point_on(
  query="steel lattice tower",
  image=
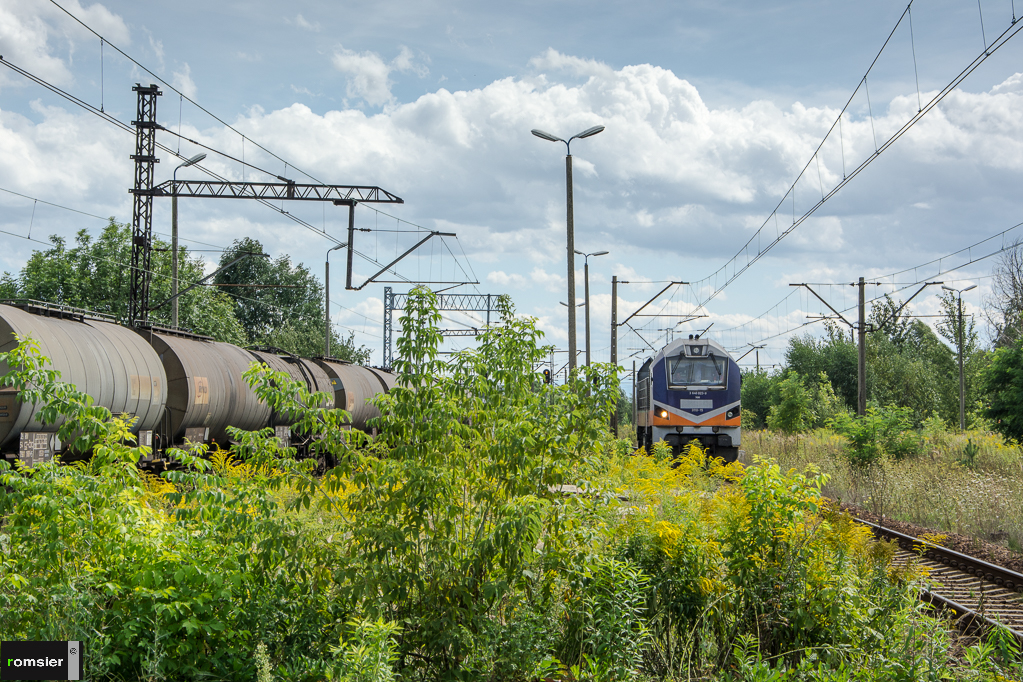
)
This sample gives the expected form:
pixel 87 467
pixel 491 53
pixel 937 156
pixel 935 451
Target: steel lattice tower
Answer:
pixel 142 211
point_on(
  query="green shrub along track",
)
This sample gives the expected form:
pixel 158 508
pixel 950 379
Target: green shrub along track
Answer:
pixel 981 594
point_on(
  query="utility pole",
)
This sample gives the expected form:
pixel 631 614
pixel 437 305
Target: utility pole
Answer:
pixel 962 381
pixel 587 303
pixel 861 363
pixel 861 329
pixel 614 319
pixel 142 209
pixel 960 342
pixel 586 278
pixel 614 344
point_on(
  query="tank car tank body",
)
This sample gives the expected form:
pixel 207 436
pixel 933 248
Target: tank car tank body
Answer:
pixel 176 384
pixel 109 362
pixel 690 390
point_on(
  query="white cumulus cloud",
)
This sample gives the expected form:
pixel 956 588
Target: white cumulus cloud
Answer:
pixel 369 76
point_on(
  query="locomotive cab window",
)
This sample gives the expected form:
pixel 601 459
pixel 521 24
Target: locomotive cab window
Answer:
pixel 685 372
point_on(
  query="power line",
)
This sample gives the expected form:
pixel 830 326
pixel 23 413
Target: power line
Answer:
pixel 50 203
pixel 876 280
pixel 128 129
pixel 737 268
pixel 123 126
pixel 183 95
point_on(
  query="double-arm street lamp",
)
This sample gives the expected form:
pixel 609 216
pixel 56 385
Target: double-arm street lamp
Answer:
pixel 959 342
pixel 589 132
pixel 174 235
pixel 586 278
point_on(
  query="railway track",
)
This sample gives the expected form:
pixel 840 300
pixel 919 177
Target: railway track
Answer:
pixel 982 595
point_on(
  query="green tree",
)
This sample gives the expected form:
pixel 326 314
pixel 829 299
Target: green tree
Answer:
pixel 1003 384
pixel 909 366
pixel 286 310
pixel 757 395
pixel 1003 309
pixel 835 355
pixel 792 413
pixel 95 274
pixel 825 404
pixel 961 334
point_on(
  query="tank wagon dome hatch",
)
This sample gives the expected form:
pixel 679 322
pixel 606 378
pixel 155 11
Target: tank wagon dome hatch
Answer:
pixel 110 363
pixel 353 386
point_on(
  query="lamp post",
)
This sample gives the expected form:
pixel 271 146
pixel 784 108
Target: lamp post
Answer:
pixel 586 279
pixel 174 235
pixel 589 132
pixel 326 305
pixel 959 337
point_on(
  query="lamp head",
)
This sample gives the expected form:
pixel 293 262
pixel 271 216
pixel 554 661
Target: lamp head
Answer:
pixel 590 132
pixel 948 288
pixel 546 136
pixel 195 159
pixel 600 253
pixel 972 286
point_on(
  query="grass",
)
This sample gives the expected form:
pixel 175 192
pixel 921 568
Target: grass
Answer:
pixel 969 483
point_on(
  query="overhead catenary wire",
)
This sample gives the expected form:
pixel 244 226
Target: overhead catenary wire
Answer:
pixel 167 149
pixel 170 86
pixel 126 128
pixel 966 249
pixel 721 278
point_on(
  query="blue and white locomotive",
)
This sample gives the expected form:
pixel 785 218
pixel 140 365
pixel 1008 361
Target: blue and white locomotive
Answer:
pixel 690 391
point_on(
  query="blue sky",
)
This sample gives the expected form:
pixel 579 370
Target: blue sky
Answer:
pixel 712 109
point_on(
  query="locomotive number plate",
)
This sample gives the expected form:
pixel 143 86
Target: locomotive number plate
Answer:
pixel 696 404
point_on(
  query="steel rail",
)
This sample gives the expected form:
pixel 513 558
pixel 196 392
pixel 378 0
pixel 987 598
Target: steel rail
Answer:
pixel 982 594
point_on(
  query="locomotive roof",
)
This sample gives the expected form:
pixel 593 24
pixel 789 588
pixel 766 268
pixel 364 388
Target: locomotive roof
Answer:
pixel 675 347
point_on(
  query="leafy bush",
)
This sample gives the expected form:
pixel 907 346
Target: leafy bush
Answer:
pixel 757 389
pixel 1003 384
pixel 164 581
pixel 606 634
pixel 793 412
pixel 882 431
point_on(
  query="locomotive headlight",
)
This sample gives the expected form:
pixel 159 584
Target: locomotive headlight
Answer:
pixel 663 414
pixel 730 414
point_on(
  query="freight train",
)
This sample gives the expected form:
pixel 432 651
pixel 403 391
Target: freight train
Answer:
pixel 690 391
pixel 177 385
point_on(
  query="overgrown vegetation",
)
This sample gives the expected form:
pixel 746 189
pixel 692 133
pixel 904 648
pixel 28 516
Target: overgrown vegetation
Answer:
pixel 450 547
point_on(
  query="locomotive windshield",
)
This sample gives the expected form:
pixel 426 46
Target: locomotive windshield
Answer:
pixel 694 371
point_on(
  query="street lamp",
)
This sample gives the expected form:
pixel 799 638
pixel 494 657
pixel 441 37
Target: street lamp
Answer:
pixel 174 235
pixel 589 132
pixel 326 306
pixel 586 277
pixel 959 335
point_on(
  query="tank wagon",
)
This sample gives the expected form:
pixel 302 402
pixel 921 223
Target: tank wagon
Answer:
pixel 690 391
pixel 178 386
